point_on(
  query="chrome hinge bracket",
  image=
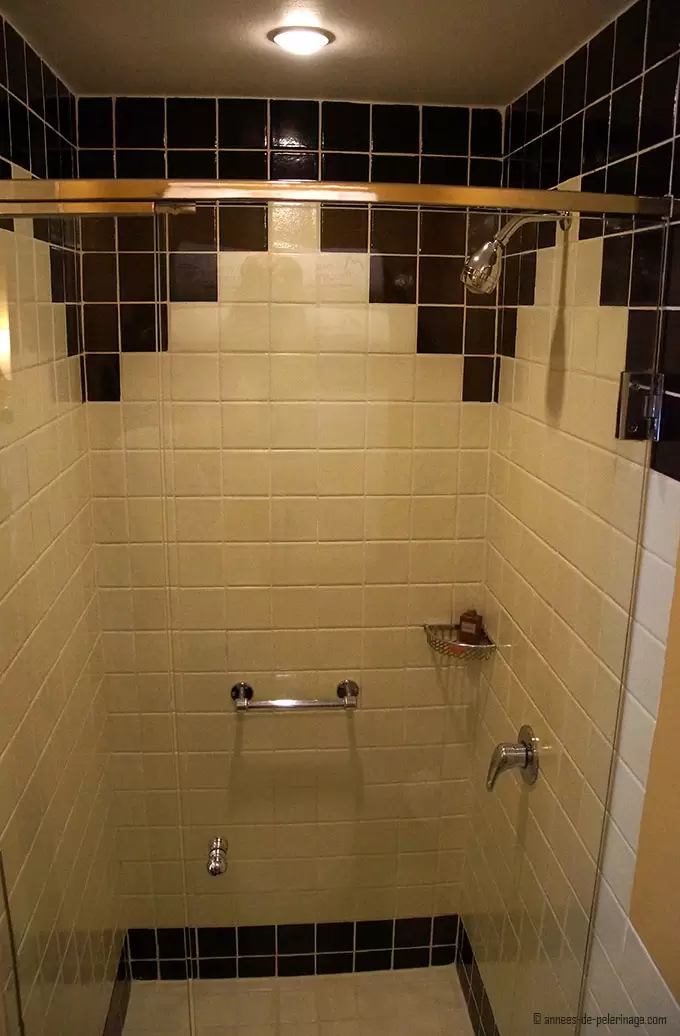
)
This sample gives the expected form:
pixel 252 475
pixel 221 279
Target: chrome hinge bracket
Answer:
pixel 640 406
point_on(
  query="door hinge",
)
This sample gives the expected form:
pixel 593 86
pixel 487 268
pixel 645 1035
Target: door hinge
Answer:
pixel 640 406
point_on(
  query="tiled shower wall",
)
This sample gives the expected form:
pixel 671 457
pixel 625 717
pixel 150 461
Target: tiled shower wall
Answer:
pixel 55 825
pixel 56 839
pixel 323 489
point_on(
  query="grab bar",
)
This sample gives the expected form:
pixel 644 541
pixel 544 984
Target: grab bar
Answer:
pixel 242 695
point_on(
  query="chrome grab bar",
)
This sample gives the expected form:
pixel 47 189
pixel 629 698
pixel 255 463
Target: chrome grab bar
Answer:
pixel 242 694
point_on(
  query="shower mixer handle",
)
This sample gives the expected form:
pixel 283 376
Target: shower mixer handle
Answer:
pixel 510 755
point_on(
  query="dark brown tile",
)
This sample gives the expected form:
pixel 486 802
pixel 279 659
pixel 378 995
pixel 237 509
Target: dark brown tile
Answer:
pixel 139 164
pixel 345 126
pixel 92 164
pixel 136 234
pixel 394 169
pixel 140 122
pixel 641 341
pixel 242 165
pixel 243 228
pixel 485 172
pixel 478 379
pixel 192 165
pixel 193 277
pixel 645 280
pixel 439 281
pixel 411 958
pixel 137 273
pixel 444 170
pixel 480 331
pixel 487 133
pixel 616 262
pixel 242 123
pixel 193 232
pixel 344 230
pixel 140 328
pixel 295 939
pixel 657 118
pixel 442 232
pixel 98 234
pixel 412 931
pixel 394 231
pixel 396 128
pixel 337 167
pixel 102 377
pixel 95 122
pixel 292 165
pixel 295 124
pixel 100 328
pixel 217 942
pixel 191 122
pixel 99 277
pixel 507 331
pixel 335 937
pixel 630 43
pixel 600 64
pixel 374 935
pixel 255 940
pixel 393 279
pixel 663 30
pixel 446 130
pixel 625 121
pixel 445 930
pixel 440 329
pixel 256 967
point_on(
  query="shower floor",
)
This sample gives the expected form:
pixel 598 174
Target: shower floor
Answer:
pixel 421 1002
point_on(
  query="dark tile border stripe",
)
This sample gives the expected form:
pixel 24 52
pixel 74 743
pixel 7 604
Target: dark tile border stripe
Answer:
pixel 476 999
pixel 120 996
pixel 299 949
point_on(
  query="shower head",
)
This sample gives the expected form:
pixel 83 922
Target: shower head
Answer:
pixel 482 270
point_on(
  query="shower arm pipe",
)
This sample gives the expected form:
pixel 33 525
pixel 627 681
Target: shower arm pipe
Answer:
pixel 513 225
pixel 118 197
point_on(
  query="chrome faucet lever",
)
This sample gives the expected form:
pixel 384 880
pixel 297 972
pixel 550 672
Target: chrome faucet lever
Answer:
pixel 522 755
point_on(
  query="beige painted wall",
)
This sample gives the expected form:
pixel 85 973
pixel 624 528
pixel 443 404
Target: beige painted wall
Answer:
pixel 655 901
pixel 55 823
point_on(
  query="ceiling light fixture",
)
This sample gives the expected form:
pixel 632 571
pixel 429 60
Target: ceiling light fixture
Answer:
pixel 301 39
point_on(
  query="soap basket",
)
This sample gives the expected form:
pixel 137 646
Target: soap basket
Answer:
pixel 446 640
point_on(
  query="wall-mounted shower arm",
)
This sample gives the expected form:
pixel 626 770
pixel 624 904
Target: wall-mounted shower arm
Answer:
pixel 506 232
pixel 482 270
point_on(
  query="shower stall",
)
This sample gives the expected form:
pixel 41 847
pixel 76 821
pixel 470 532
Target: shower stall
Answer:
pixel 261 449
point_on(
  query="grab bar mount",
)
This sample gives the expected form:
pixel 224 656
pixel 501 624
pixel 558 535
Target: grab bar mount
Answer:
pixel 242 694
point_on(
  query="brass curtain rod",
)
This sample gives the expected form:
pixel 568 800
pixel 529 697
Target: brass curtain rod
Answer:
pixel 113 197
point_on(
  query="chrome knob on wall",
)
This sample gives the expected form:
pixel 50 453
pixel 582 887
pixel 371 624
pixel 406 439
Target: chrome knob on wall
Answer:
pixel 510 755
pixel 217 857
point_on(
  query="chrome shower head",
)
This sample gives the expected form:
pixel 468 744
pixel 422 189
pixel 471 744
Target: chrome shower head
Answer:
pixel 482 270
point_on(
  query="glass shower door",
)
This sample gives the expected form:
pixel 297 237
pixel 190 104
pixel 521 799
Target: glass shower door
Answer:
pixel 565 499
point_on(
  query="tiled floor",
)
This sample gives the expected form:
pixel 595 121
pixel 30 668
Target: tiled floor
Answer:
pixel 422 1002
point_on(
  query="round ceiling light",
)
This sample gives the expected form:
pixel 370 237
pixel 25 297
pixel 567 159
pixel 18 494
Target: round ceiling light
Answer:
pixel 301 39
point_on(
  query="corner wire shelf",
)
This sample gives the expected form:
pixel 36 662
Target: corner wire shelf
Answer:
pixel 445 639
